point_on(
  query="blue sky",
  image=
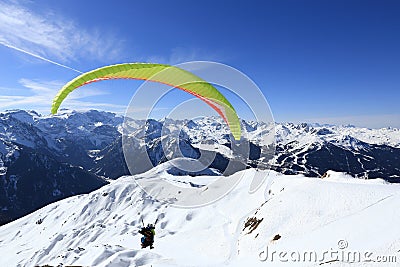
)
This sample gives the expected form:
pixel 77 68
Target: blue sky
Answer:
pixel 321 61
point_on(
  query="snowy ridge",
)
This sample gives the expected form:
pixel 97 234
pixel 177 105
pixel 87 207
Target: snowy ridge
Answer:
pixel 101 228
pixel 29 128
pixel 89 124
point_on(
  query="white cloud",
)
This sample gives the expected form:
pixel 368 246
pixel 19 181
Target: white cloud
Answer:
pixel 51 35
pixel 41 94
pixel 50 88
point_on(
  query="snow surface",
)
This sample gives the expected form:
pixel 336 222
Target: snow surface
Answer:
pixel 309 214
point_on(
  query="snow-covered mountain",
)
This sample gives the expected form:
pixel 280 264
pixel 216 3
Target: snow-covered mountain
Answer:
pixel 300 148
pixel 47 158
pixel 288 217
pixel 361 152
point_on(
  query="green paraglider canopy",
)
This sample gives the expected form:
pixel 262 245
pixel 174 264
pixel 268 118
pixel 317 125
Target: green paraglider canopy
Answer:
pixel 161 73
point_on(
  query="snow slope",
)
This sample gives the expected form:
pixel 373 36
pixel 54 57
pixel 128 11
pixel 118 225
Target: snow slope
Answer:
pixel 101 228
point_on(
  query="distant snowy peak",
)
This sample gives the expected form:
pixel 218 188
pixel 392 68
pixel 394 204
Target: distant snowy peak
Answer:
pixel 33 130
pixel 288 132
pixel 28 116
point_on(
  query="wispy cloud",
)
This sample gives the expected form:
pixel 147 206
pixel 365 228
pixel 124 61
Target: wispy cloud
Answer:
pixel 39 57
pixel 41 93
pixel 48 35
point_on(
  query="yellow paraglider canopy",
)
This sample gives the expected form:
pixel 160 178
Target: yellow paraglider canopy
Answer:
pixel 161 73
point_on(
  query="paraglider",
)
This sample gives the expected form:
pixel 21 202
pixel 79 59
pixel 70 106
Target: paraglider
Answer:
pixel 161 73
pixel 148 233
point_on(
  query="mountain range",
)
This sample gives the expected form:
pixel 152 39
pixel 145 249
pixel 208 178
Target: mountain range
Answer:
pixel 47 158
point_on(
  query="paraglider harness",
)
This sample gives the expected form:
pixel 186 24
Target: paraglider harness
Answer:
pixel 148 233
